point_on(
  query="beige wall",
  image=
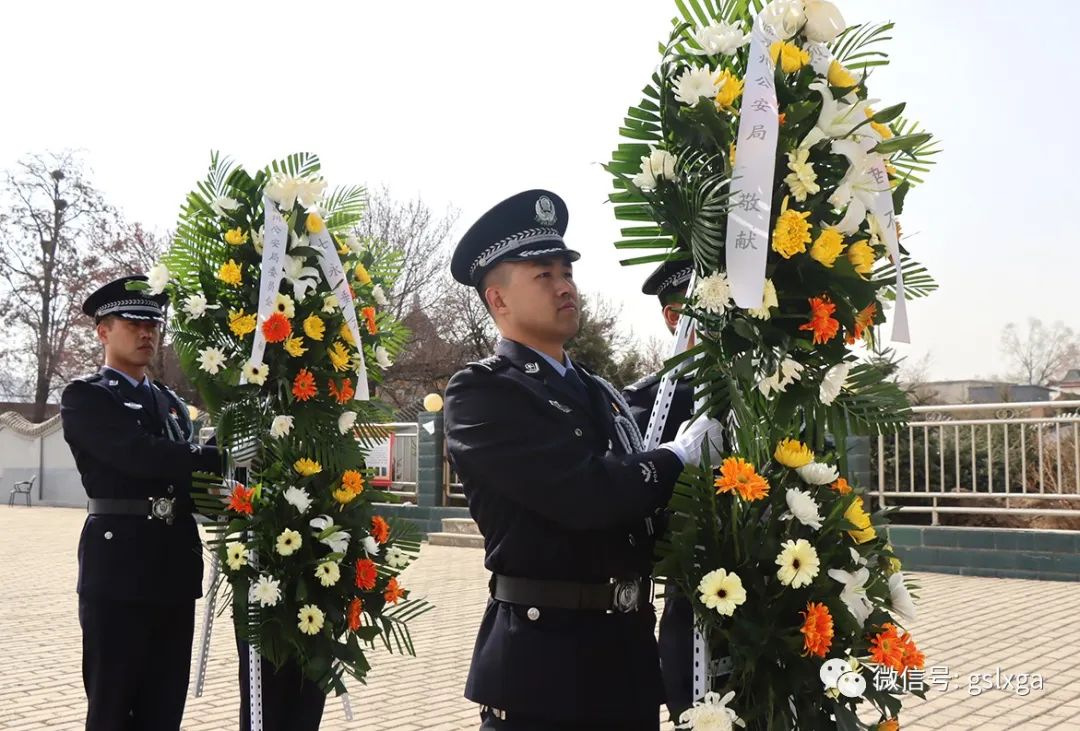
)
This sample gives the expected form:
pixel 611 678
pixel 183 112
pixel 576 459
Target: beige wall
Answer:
pixel 29 449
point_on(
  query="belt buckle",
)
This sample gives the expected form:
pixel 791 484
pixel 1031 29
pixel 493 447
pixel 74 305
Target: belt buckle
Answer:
pixel 162 509
pixel 627 596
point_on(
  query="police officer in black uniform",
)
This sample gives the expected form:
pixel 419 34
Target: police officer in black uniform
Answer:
pixel 668 283
pixel 140 558
pixel 556 481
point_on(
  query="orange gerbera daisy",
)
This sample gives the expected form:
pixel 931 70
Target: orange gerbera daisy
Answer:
pixel 393 592
pixel 343 394
pixel 822 323
pixel 303 386
pixel 276 328
pixel 355 607
pixel 886 648
pixel 891 724
pixel 739 475
pixel 380 529
pixel 863 321
pixel 369 315
pixel 817 629
pixel 912 657
pixel 366 573
pixel 841 486
pixel 352 481
pixel 240 499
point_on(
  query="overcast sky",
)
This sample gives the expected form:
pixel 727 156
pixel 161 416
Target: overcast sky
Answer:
pixel 465 103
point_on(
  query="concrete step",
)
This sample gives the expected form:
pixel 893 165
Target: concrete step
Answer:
pixel 466 526
pixel 463 540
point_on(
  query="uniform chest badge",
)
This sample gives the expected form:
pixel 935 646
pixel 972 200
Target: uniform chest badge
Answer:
pixel 132 405
pixel 532 368
pixel 561 407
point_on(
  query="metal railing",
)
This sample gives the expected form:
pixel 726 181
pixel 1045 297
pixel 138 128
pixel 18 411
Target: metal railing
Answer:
pixel 1016 459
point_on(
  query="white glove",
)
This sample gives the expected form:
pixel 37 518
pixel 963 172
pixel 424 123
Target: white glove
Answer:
pixel 691 435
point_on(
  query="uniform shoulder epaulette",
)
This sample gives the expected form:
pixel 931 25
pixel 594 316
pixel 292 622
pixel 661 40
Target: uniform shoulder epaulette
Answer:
pixel 644 383
pixel 492 363
pixel 92 378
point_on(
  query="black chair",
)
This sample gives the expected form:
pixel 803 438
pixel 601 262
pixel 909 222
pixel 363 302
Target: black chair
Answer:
pixel 22 487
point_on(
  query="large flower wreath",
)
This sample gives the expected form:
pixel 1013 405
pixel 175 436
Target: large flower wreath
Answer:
pixel 279 325
pixel 789 571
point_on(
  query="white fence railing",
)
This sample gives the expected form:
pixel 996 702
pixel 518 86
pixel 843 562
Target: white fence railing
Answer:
pixel 992 459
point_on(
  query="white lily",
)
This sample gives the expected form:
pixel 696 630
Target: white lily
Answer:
pixel 789 371
pixel 338 541
pixel 837 117
pixel 371 546
pixel 903 605
pixel 286 191
pixel 301 278
pixel 857 189
pixel 784 17
pixel 853 595
pixel 382 357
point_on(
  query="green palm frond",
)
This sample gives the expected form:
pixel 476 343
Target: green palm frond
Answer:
pixel 868 404
pixel 396 634
pixel 855 46
pixel 916 162
pixel 300 164
pixel 917 280
pixel 346 206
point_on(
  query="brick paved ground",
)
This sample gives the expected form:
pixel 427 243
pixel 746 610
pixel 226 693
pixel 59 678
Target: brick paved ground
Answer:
pixel 973 625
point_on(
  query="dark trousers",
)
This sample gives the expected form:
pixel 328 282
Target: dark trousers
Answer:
pixel 676 646
pixel 489 722
pixel 291 702
pixel 136 663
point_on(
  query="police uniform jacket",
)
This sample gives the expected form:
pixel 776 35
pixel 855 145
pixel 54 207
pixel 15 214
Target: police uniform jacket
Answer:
pixel 127 451
pixel 556 496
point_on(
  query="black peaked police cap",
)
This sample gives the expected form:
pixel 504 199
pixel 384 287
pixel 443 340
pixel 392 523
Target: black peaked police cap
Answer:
pixel 669 277
pixel 526 226
pixel 115 298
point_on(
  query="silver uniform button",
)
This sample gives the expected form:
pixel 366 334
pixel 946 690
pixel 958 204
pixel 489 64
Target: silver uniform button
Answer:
pixel 533 613
pixel 577 432
pixel 108 535
pixel 169 490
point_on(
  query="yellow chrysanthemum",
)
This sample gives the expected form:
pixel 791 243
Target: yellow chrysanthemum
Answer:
pixel 313 223
pixel 344 496
pixel 731 154
pixel 731 88
pixel 294 346
pixel 307 467
pixel 880 128
pixel 230 273
pixel 339 356
pixel 346 334
pixel 792 232
pixel 314 327
pixel 827 247
pixel 790 57
pixel 241 324
pixel 861 256
pixel 236 237
pixel 793 453
pixel 840 77
pixel 856 515
pixel 362 275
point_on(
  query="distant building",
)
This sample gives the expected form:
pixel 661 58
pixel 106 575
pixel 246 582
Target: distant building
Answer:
pixel 1070 383
pixel 975 391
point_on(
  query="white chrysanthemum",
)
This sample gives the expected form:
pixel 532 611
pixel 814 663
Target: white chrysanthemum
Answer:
pixel 382 357
pixel 281 426
pixel 371 546
pixel 802 180
pixel 711 714
pixel 768 301
pixel 354 244
pixel 310 619
pixel 284 304
pixel 721 591
pixel 720 38
pixel 223 203
pixel 818 473
pixel 790 370
pixel 903 606
pixel 298 498
pixel 803 507
pixel 346 421
pixel 833 382
pixel 256 372
pixel 288 542
pixel 211 360
pixel 328 573
pixel 713 293
pixel 798 562
pixel 823 21
pixel 157 278
pixel 286 190
pixel 195 306
pixel 266 590
pixel 784 17
pixel 693 84
pixel 853 594
pixel 236 555
pixel 657 165
pixel 379 296
pixel 396 558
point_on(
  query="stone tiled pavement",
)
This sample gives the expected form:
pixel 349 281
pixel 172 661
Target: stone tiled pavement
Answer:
pixel 972 625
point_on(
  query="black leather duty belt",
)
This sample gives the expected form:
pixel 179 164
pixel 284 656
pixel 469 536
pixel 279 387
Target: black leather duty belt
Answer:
pixel 161 508
pixel 627 595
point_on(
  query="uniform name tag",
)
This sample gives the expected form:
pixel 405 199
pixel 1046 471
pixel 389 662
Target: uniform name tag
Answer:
pixel 561 407
pixel 132 405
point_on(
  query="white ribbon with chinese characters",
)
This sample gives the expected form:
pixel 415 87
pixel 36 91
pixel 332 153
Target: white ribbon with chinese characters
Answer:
pixel 747 243
pixel 882 207
pixel 334 273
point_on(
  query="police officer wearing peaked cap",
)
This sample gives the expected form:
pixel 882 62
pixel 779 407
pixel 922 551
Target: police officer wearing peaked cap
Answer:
pixel 556 480
pixel 140 558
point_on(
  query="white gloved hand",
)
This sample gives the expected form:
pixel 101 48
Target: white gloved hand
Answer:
pixel 687 444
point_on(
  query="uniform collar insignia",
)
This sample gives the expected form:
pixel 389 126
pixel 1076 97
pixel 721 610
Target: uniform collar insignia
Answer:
pixel 532 368
pixel 113 382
